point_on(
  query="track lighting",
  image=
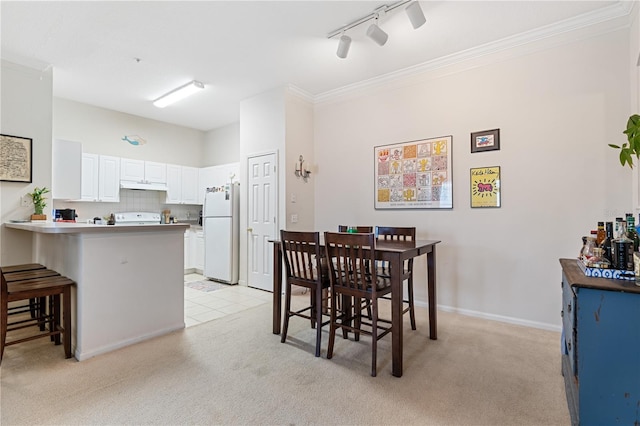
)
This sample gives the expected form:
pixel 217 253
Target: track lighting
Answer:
pixel 376 34
pixel 177 94
pixel 414 12
pixel 343 46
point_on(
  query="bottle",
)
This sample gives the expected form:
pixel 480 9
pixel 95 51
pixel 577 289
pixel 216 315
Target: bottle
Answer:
pixel 601 235
pixel 622 249
pixel 606 244
pixel 598 260
pixel 631 231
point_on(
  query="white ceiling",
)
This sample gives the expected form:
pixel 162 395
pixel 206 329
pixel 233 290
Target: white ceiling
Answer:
pixel 239 49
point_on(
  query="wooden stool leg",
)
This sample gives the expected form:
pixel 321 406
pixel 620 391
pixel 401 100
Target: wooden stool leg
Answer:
pixel 66 318
pixel 3 326
pixel 54 318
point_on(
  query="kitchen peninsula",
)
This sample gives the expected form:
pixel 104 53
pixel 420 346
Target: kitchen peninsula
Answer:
pixel 129 279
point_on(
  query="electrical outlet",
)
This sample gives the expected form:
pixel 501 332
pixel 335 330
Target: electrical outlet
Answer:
pixel 294 218
pixel 293 198
pixel 25 201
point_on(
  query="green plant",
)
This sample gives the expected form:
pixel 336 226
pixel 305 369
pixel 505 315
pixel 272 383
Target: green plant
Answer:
pixel 39 201
pixel 632 146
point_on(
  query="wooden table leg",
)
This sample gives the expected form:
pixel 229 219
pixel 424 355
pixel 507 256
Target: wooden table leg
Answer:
pixel 396 316
pixel 277 287
pixel 431 293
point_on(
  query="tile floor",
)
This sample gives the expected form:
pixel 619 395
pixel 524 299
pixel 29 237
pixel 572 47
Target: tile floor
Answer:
pixel 201 306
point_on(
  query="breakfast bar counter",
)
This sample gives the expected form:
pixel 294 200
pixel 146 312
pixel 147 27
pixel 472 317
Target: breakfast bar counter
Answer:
pixel 130 279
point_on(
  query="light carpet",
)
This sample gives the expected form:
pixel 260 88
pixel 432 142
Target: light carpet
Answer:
pixel 233 370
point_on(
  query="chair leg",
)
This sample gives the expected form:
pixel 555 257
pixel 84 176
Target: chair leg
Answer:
pixel 314 307
pixel 332 330
pixel 3 326
pixel 287 310
pixel 66 321
pixel 374 336
pixel 412 310
pixel 318 318
pixel 357 313
pixel 54 318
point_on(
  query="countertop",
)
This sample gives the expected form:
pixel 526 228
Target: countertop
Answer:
pixel 76 228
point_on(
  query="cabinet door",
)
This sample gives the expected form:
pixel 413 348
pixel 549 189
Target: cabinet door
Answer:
pixel 174 184
pixel 155 172
pixel 66 170
pixel 132 170
pixel 109 179
pixel 199 260
pixel 89 181
pixel 189 185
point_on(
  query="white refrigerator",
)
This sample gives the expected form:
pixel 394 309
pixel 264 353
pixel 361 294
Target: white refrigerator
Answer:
pixel 221 227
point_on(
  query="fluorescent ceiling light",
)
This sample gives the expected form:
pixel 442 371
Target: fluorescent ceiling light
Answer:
pixel 178 94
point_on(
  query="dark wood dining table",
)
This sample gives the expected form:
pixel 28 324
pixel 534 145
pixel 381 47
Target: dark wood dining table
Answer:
pixel 395 252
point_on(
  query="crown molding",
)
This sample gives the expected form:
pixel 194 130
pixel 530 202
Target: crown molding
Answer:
pixel 611 14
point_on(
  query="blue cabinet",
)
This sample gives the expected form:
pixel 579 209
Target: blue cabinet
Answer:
pixel 601 342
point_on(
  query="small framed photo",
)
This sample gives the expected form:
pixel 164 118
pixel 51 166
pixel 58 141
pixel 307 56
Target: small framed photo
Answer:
pixel 485 187
pixel 15 159
pixel 487 140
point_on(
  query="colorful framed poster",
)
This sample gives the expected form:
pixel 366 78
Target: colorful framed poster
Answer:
pixel 414 175
pixel 16 158
pixel 485 187
pixel 487 140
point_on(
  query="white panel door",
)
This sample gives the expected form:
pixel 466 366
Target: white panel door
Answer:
pixel 261 212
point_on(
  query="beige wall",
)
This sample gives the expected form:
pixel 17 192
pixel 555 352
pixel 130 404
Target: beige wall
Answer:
pixel 557 102
pixel 25 110
pixel 222 146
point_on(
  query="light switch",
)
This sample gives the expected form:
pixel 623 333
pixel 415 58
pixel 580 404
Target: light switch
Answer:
pixel 293 198
pixel 294 218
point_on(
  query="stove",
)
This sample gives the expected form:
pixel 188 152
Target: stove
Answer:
pixel 137 218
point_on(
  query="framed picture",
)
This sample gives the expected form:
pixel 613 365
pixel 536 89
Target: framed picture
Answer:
pixel 485 187
pixel 414 175
pixel 16 159
pixel 488 140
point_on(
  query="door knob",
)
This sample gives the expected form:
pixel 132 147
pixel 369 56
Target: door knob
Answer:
pixel 249 229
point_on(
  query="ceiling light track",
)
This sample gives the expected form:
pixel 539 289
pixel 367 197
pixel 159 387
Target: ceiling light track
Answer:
pixel 374 32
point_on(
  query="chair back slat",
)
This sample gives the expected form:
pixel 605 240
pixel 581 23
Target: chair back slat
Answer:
pixel 301 253
pixel 348 256
pixel 359 229
pixel 396 233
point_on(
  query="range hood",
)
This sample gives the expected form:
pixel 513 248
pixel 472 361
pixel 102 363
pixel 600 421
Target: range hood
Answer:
pixel 148 186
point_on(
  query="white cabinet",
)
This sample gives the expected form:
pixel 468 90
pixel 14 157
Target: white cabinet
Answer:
pixel 100 178
pixel 182 184
pixel 143 171
pixel 199 255
pixel 66 169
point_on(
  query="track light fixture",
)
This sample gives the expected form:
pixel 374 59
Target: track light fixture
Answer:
pixel 374 32
pixel 343 46
pixel 414 12
pixel 177 94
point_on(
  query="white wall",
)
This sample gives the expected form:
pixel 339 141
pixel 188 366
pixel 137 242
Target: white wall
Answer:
pixel 101 131
pixel 299 195
pixel 25 110
pixel 557 105
pixel 222 146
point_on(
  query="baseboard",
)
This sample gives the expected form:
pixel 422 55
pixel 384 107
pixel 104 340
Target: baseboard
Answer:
pixel 83 355
pixel 493 317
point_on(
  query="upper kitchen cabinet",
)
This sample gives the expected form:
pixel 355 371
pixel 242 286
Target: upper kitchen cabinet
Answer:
pixel 139 174
pixel 182 184
pixel 100 178
pixel 66 168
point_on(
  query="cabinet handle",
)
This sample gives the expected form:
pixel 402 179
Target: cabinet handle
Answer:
pixel 569 307
pixel 561 314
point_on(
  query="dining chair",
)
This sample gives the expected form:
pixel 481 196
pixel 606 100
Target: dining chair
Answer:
pixel 383 268
pixel 301 252
pixel 347 256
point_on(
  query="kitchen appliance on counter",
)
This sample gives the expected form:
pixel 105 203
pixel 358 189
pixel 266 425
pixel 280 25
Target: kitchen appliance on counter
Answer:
pixel 64 215
pixel 221 228
pixel 137 218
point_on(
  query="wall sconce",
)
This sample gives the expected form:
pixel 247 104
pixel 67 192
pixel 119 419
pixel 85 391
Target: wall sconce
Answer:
pixel 302 172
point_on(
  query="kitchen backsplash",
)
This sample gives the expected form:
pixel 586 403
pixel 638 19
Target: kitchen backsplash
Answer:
pixel 130 201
